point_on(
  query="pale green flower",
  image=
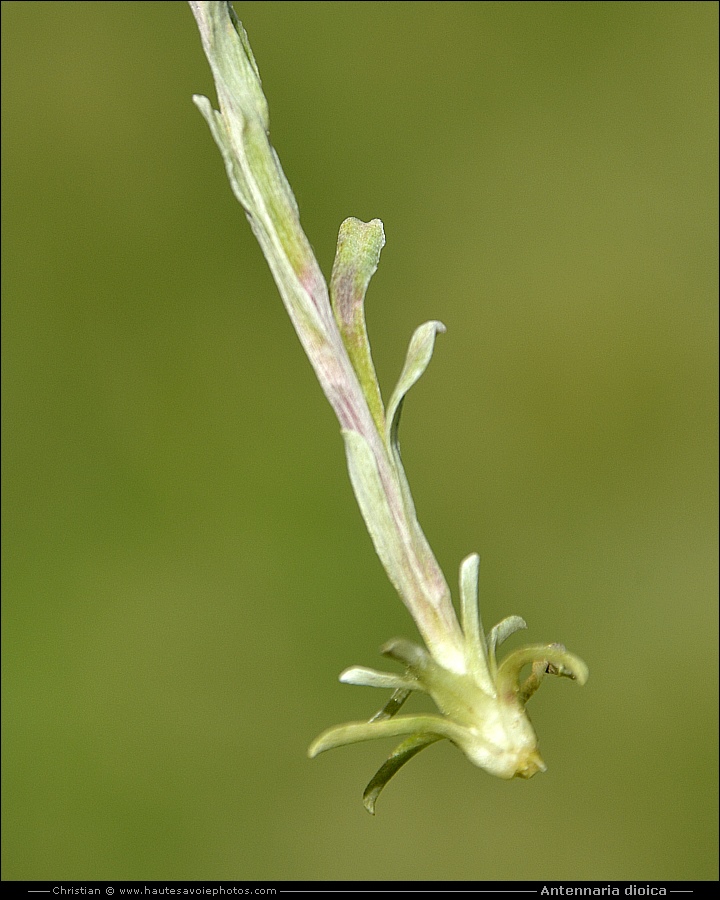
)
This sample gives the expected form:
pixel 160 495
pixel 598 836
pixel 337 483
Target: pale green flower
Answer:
pixel 482 702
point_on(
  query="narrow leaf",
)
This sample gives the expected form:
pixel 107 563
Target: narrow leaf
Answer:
pixel 372 678
pixel 499 633
pixel 401 754
pixel 217 128
pixel 356 261
pixel 357 732
pixel 418 357
pixel 471 623
pixel 231 59
pixel 393 706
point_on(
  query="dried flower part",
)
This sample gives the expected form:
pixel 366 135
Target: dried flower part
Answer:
pixel 481 702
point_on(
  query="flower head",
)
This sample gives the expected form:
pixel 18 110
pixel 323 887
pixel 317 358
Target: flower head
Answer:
pixel 483 707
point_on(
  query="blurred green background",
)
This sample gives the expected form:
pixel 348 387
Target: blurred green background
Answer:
pixel 185 569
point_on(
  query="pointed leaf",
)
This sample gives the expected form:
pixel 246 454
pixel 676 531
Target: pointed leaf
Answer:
pixel 357 732
pixel 415 657
pixel 372 678
pixel 418 357
pixel 393 706
pixel 397 759
pixel 472 624
pixel 499 633
pixel 231 59
pixel 417 360
pixel 502 631
pixel 217 128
